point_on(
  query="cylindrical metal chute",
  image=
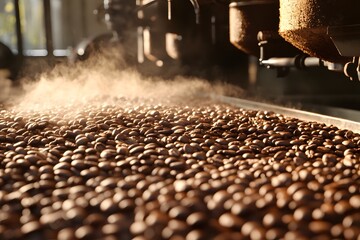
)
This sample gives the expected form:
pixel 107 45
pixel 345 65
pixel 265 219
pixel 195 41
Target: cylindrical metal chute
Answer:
pixel 247 18
pixel 304 24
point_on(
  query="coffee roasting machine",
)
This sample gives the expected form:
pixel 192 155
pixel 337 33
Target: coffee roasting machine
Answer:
pixel 212 38
pixel 281 34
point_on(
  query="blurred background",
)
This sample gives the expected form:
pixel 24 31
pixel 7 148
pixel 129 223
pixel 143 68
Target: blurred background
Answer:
pixel 35 35
pixel 71 22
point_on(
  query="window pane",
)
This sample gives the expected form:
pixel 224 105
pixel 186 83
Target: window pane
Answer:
pixel 8 24
pixel 61 19
pixel 74 21
pixel 71 20
pixel 33 29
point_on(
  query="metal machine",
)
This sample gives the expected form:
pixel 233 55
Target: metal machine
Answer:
pixel 168 38
pixel 198 32
pixel 194 34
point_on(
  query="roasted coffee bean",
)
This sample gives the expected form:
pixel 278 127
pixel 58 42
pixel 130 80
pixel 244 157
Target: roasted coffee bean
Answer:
pixel 179 212
pixel 318 227
pixel 66 234
pixel 280 155
pixel 229 220
pixel 196 219
pixel 85 232
pixel 131 169
pixel 108 153
pixel 136 149
pixel 355 201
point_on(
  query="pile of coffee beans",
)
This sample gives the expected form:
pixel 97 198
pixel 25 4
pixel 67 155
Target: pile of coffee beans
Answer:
pixel 127 169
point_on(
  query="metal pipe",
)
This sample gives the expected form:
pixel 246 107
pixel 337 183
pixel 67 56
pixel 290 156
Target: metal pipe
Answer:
pixel 169 10
pixel 249 3
pixel 213 29
pixel 48 28
pixel 312 62
pixel 18 29
pixel 278 62
pixel 197 10
pixel 299 62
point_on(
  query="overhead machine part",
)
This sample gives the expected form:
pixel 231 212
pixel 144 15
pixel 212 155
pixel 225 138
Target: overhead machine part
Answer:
pixel 187 36
pixel 305 23
pixel 247 18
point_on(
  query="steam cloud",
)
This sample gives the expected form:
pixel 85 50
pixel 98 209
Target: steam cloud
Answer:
pixel 101 79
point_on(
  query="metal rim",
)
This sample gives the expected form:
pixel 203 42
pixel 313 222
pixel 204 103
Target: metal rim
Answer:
pixel 289 112
pixel 250 3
